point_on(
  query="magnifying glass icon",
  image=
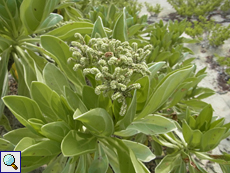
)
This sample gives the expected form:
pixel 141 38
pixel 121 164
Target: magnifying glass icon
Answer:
pixel 9 160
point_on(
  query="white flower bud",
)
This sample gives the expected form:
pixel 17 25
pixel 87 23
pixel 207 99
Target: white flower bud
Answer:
pixel 99 76
pixel 113 84
pixel 116 95
pixel 94 70
pixel 102 62
pixel 105 69
pixel 86 71
pixel 112 60
pixel 83 60
pixel 76 66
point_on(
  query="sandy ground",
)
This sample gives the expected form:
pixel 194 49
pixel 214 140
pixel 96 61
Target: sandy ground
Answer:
pixel 220 101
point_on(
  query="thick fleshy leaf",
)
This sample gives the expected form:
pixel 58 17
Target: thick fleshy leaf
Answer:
pixel 165 89
pixel 29 163
pixel 74 100
pixel 56 165
pixel 153 124
pixel 4 44
pixel 120 28
pixel 142 93
pixel 16 135
pixel 98 28
pixel 71 13
pixel 30 147
pixel 3 79
pixel 42 94
pixel 55 130
pixel 22 87
pixel 9 13
pixel 89 98
pixel 23 108
pixel 204 119
pixel 50 21
pixel 134 29
pixel 61 53
pixel 192 137
pixel 169 162
pixel 6 145
pixel 212 138
pixel 100 163
pixel 28 66
pixel 66 32
pixel 33 13
pixel 142 152
pixel 130 114
pixel 77 143
pixel 126 158
pixel 97 121
pixel 54 78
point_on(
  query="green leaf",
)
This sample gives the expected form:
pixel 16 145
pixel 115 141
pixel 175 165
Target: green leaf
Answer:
pixel 120 28
pixel 152 125
pixel 54 78
pixel 22 87
pixel 212 138
pixel 142 93
pixel 4 45
pixel 16 135
pixel 9 13
pixel 61 53
pixel 130 114
pixel 98 28
pixel 72 13
pixel 3 80
pixel 23 108
pixel 55 130
pixel 142 152
pixel 29 163
pixel 100 163
pixel 5 123
pixel 174 58
pixel 168 163
pixel 50 21
pixel 57 164
pixel 155 68
pixel 204 119
pixel 28 66
pixel 89 98
pixel 198 105
pixel 33 13
pixel 74 100
pixel 6 145
pixel 164 90
pixel 125 156
pixel 66 32
pixel 97 121
pixel 42 94
pixel 43 148
pixel 77 143
pixel 135 28
pixel 192 137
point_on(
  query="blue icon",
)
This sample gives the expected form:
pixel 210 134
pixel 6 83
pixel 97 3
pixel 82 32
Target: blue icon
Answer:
pixel 9 160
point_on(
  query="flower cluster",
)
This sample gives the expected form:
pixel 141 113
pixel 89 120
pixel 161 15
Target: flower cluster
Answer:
pixel 113 63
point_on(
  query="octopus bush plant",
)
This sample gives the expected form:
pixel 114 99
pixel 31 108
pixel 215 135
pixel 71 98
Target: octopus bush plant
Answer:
pixel 115 66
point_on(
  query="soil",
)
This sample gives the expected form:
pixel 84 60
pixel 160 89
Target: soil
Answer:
pixel 222 77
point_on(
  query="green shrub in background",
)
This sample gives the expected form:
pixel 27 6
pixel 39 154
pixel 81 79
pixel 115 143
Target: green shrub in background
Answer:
pixel 153 10
pixel 196 8
pixel 207 32
pixel 106 94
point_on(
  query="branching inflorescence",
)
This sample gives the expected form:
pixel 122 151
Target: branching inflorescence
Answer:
pixel 116 65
